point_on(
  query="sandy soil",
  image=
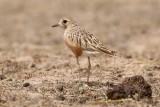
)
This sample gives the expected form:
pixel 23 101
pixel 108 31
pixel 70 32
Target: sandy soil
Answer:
pixel 38 70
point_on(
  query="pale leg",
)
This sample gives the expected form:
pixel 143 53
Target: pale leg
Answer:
pixel 89 67
pixel 79 69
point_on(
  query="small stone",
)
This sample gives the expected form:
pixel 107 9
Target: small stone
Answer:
pixel 33 65
pixel 156 67
pixel 119 75
pixel 60 88
pixel 10 79
pixel 97 65
pixel 60 97
pixel 26 84
pixel 128 56
pixel 2 77
pixel 150 74
pixel 82 100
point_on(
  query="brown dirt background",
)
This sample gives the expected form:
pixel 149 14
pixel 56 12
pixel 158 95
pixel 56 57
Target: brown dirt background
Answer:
pixel 32 51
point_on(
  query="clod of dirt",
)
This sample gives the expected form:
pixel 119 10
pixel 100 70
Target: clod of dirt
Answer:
pixel 153 68
pixel 117 92
pixel 135 87
pixel 150 74
pixel 60 97
pixel 157 67
pixel 137 84
pixel 26 84
pixel 128 56
pixel 60 88
pixel 33 65
pixel 2 77
pixel 82 100
pixel 2 101
pixel 119 75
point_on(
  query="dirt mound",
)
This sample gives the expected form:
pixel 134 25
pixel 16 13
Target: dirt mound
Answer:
pixel 132 87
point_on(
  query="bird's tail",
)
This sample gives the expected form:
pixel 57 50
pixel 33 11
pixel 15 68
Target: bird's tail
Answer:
pixel 107 51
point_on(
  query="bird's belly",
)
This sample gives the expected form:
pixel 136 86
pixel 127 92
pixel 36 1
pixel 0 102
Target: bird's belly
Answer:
pixel 90 53
pixel 75 49
pixel 78 51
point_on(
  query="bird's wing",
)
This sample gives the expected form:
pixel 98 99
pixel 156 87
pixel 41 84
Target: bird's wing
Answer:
pixel 88 42
pixel 92 43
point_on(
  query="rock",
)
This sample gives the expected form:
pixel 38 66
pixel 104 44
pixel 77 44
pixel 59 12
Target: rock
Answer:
pixel 60 97
pixel 2 77
pixel 60 88
pixel 26 84
pixel 33 65
pixel 132 87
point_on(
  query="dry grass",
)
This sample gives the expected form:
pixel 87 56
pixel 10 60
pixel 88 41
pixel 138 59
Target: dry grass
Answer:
pixel 32 52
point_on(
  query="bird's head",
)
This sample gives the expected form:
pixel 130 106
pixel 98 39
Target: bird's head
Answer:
pixel 65 23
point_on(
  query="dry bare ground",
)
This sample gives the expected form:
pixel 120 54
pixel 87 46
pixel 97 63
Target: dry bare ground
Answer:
pixel 39 71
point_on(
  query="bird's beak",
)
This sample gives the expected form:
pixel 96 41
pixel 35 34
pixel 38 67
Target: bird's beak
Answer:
pixel 56 25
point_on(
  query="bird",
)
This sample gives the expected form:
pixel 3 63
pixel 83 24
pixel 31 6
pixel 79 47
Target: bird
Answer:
pixel 81 42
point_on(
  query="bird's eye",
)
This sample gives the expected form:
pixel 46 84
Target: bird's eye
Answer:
pixel 64 21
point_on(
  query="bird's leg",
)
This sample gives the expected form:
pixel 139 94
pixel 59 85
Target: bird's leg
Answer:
pixel 78 63
pixel 79 69
pixel 89 67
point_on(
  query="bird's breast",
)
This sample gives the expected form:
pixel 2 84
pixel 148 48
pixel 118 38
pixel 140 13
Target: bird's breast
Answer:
pixel 73 46
pixel 75 49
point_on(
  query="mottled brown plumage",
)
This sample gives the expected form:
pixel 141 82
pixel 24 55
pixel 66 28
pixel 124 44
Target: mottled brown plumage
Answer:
pixel 81 42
